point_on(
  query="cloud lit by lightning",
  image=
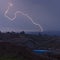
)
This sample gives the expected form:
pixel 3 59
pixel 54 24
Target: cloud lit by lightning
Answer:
pixel 26 15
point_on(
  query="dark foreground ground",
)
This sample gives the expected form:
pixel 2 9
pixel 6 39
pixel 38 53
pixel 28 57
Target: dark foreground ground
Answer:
pixel 19 46
pixel 9 51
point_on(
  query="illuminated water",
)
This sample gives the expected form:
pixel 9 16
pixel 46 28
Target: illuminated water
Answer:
pixel 40 51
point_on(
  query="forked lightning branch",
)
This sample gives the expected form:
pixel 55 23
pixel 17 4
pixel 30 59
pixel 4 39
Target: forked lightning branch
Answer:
pixel 26 15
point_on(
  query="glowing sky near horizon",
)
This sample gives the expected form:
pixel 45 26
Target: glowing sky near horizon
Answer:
pixel 43 12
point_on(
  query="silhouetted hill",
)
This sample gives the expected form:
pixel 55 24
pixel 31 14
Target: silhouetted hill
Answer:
pixel 21 44
pixel 52 33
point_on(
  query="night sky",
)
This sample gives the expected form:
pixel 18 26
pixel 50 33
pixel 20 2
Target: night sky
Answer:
pixel 43 12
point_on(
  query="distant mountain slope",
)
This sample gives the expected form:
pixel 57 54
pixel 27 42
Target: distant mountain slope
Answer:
pixel 57 33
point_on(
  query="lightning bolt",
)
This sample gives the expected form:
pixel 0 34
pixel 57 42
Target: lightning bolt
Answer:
pixel 15 14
